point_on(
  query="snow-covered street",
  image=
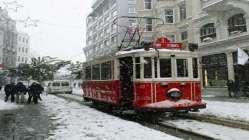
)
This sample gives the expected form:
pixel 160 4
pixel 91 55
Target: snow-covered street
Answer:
pixel 67 119
pixel 75 121
pixel 230 110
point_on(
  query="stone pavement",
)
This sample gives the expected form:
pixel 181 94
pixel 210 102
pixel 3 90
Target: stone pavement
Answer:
pixel 30 122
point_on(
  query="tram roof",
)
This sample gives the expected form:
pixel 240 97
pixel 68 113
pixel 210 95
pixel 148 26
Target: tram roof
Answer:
pixel 134 51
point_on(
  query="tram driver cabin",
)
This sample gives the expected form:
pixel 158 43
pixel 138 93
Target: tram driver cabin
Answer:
pixel 162 77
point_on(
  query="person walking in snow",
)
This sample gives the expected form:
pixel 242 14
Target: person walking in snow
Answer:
pixel 230 87
pixel 236 87
pixel 34 92
pixel 21 91
pixel 10 90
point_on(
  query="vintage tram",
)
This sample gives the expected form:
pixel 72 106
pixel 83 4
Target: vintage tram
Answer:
pixel 164 78
pixel 149 76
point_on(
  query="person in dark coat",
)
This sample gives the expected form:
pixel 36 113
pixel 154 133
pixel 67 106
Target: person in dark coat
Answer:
pixel 236 87
pixel 10 90
pixel 21 91
pixel 34 92
pixel 230 87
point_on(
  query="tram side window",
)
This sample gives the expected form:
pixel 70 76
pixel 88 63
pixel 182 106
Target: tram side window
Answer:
pixel 182 67
pixel 195 68
pixel 147 67
pixel 137 62
pixel 165 68
pixel 96 72
pixel 88 73
pixel 155 66
pixel 106 71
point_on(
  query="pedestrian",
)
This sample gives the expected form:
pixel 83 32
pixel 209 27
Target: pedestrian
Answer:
pixel 21 91
pixel 34 92
pixel 230 87
pixel 236 87
pixel 10 90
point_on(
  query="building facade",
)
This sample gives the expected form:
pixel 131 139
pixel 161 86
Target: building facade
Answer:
pixel 219 27
pixel 8 40
pixel 23 49
pixel 222 27
pixel 103 36
pixel 175 23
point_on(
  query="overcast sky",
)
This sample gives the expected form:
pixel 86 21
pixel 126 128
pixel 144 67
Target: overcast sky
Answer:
pixel 61 27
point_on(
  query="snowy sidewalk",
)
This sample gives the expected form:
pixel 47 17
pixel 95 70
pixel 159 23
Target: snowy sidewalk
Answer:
pixel 7 105
pixel 75 121
pixel 225 109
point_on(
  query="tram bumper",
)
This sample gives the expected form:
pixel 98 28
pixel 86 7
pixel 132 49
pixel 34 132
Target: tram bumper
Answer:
pixel 172 106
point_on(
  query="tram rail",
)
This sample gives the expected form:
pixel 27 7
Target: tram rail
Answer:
pixel 215 120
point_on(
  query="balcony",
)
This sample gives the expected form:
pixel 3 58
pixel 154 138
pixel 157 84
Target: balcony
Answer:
pixel 215 5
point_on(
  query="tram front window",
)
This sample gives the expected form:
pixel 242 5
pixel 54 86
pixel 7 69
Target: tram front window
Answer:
pixel 165 68
pixel 147 67
pixel 182 67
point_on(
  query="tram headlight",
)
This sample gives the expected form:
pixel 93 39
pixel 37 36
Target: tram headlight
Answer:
pixel 174 93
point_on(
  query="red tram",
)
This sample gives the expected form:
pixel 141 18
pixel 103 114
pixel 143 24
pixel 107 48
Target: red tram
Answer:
pixel 160 79
pixel 157 76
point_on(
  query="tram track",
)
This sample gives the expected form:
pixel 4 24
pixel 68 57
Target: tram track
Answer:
pixel 168 125
pixel 215 120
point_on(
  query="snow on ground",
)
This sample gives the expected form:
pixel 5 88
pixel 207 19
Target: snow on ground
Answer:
pixel 230 110
pixel 78 91
pixel 75 121
pixel 7 105
pixel 212 130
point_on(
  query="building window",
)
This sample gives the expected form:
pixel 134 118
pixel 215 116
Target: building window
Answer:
pixel 214 70
pixel 26 50
pixel 22 59
pixel 171 37
pixel 147 4
pixel 183 11
pixel 169 15
pixel 184 35
pixel 114 13
pixel 148 26
pixel 132 9
pixel 208 32
pixel 114 39
pixel 19 58
pixel 237 24
pixel 22 49
pixel 19 49
pixel 113 27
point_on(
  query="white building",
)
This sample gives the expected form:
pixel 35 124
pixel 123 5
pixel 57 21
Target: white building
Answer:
pixel 23 49
pixel 103 37
pixel 220 28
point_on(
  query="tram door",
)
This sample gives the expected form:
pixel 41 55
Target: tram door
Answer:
pixel 126 83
